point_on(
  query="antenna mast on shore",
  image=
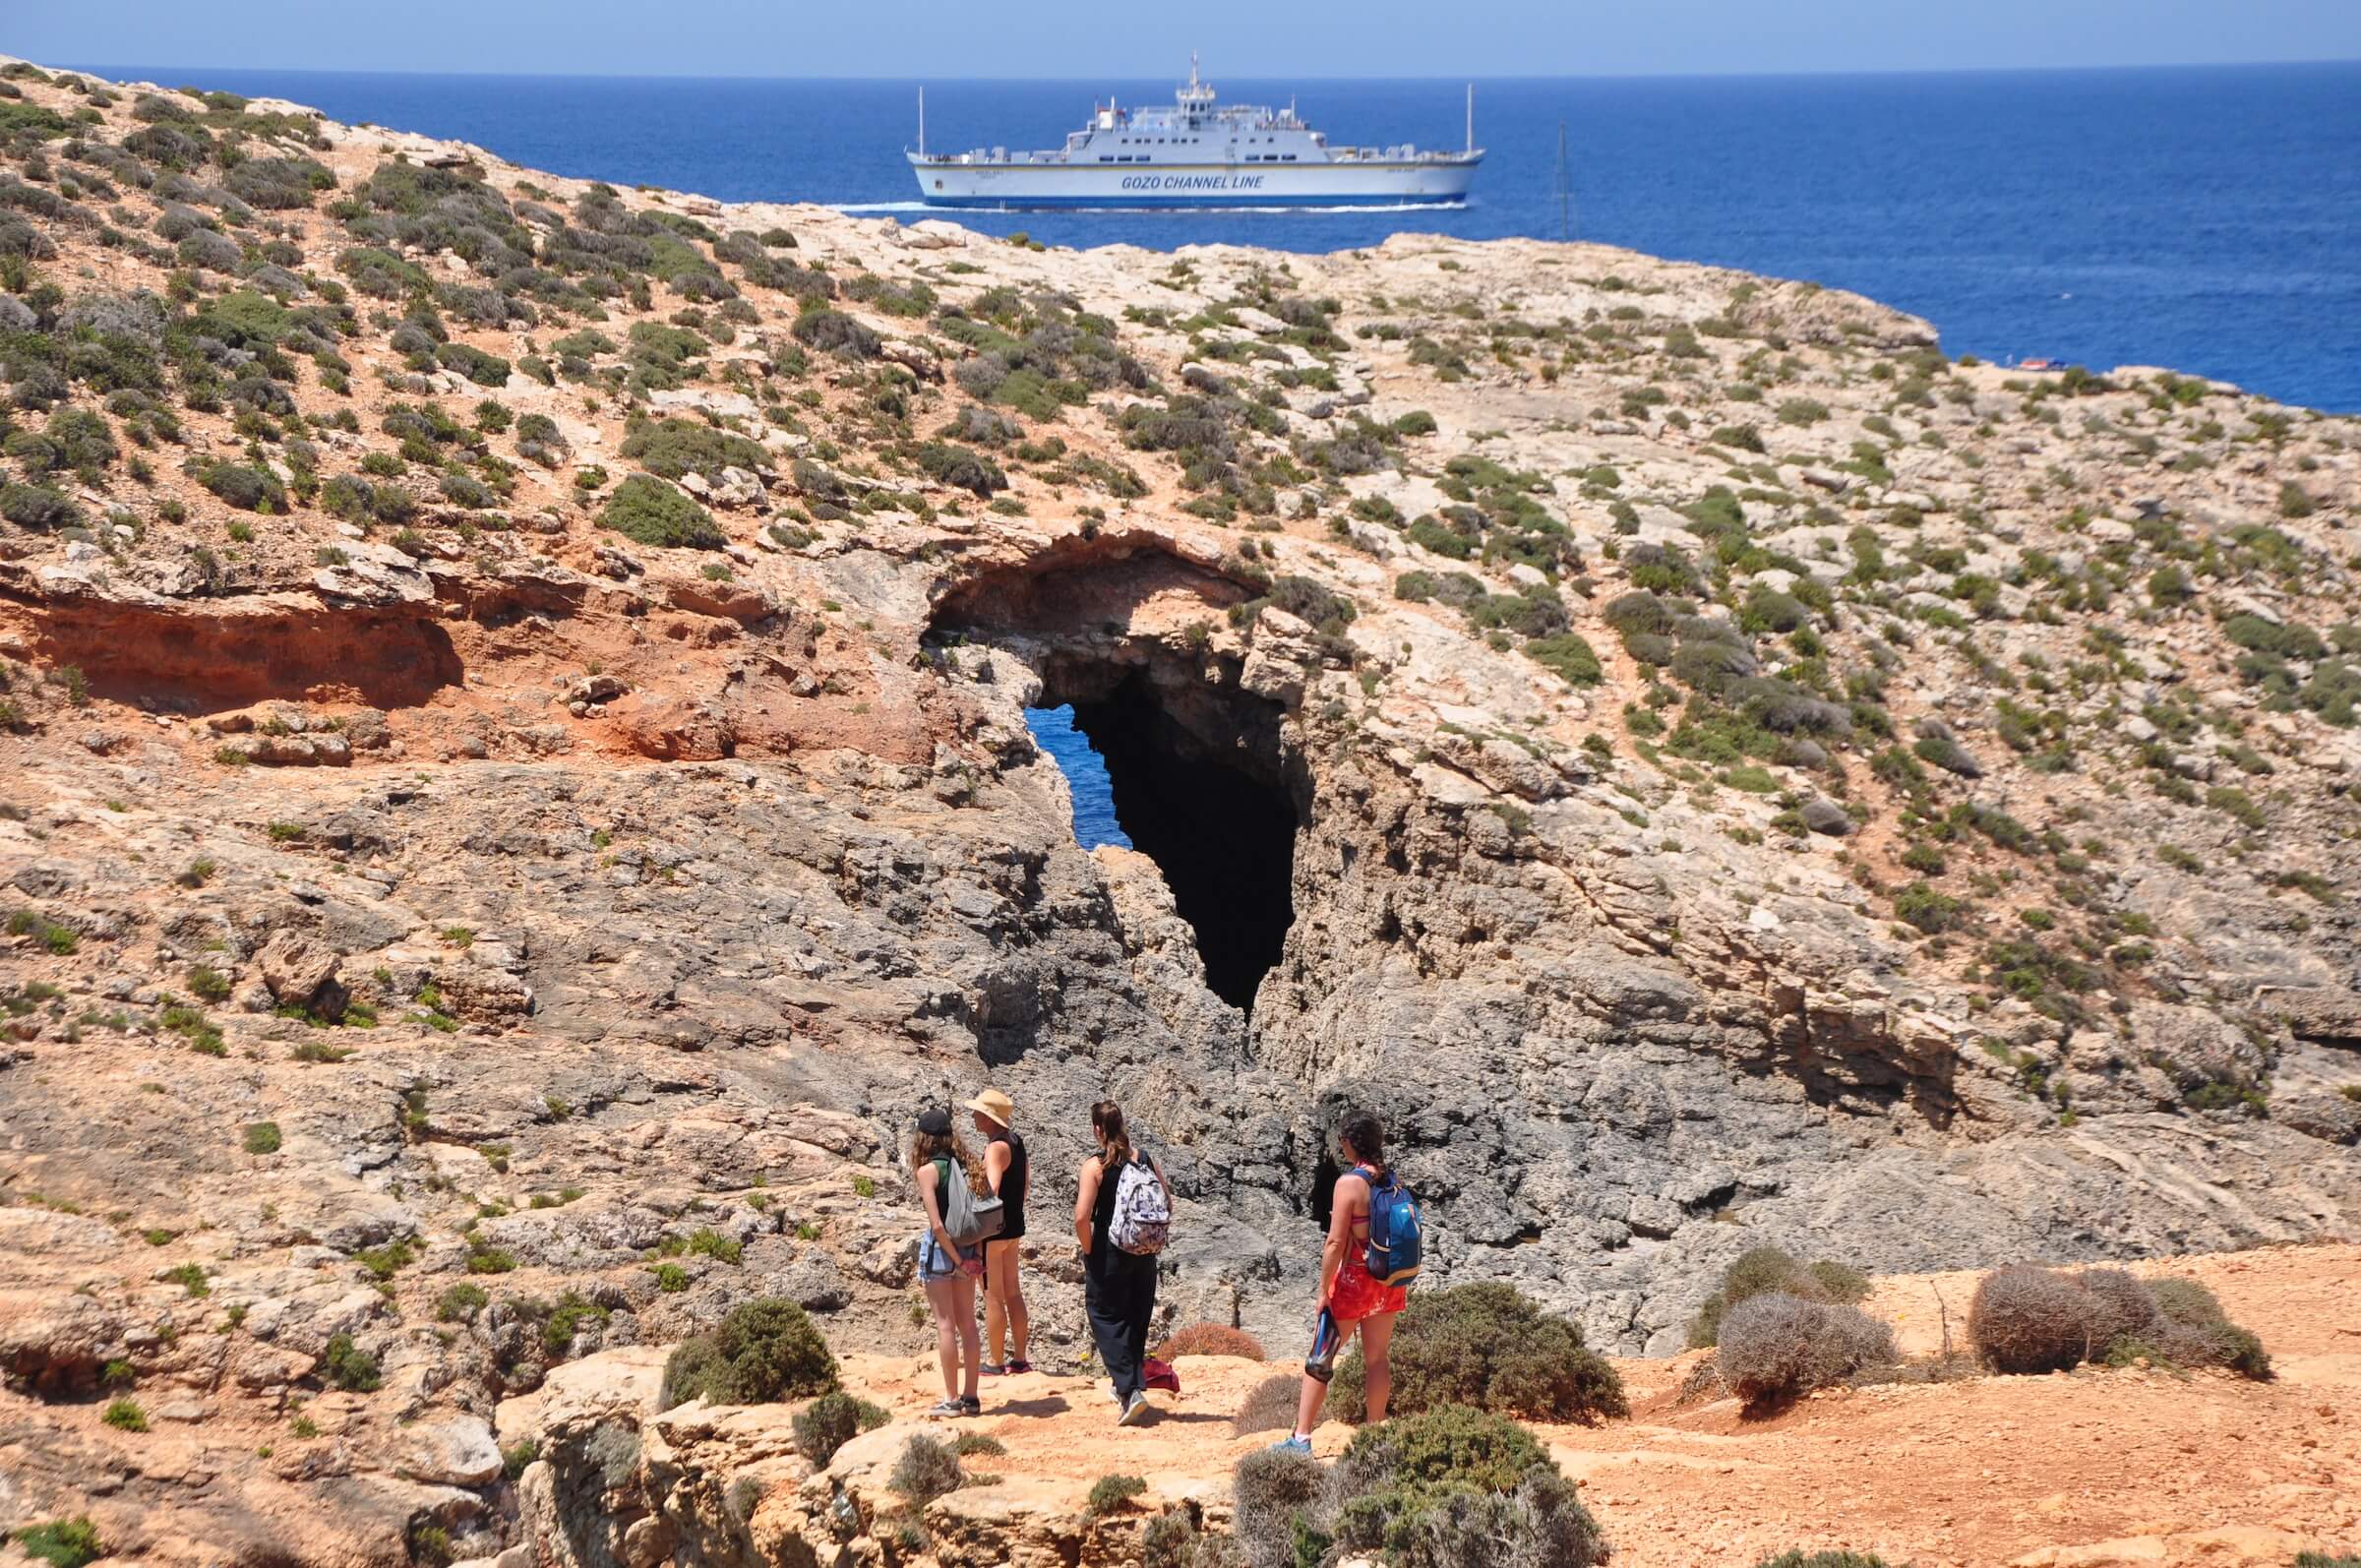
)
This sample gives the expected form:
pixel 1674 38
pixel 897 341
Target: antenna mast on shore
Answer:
pixel 1565 194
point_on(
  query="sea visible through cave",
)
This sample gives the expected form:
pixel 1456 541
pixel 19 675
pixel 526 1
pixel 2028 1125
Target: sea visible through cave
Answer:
pixel 1085 770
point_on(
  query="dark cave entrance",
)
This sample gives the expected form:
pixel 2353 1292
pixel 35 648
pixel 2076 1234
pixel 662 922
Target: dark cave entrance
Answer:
pixel 1199 773
pixel 1224 837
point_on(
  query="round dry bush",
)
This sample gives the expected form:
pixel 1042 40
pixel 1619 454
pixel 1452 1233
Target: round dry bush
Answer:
pixel 927 1470
pixel 1211 1339
pixel 1270 1408
pixel 1487 1347
pixel 2029 1319
pixel 1271 1490
pixel 1763 1269
pixel 832 1420
pixel 1775 1347
pixel 2119 1306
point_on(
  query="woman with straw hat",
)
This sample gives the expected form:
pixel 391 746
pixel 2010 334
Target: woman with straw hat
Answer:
pixel 1007 1171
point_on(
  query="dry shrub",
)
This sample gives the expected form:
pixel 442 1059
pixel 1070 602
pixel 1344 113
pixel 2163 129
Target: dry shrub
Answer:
pixel 2029 1319
pixel 1775 1347
pixel 2196 1332
pixel 2119 1304
pixel 1276 1495
pixel 1211 1339
pixel 1764 1269
pixel 1269 1407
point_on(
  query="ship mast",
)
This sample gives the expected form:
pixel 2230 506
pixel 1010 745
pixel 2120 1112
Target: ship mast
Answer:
pixel 922 122
pixel 1471 117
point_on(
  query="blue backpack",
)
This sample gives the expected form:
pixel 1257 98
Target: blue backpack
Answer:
pixel 1394 1230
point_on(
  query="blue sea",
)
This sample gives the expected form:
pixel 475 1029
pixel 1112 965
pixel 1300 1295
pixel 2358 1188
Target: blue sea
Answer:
pixel 2207 219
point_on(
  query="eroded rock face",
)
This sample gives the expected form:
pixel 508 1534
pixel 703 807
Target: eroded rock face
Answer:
pixel 444 954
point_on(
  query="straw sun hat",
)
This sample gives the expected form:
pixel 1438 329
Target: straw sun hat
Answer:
pixel 996 1104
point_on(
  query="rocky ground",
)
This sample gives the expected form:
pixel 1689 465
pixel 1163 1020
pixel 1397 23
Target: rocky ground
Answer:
pixel 516 784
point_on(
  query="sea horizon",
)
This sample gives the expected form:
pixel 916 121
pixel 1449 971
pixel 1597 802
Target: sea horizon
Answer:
pixel 123 73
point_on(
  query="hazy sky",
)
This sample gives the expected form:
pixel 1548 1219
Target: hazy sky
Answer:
pixel 1110 38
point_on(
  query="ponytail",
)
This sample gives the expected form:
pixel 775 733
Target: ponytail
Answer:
pixel 1107 1120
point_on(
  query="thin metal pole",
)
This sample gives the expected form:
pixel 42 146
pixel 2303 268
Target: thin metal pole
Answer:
pixel 1471 116
pixel 922 122
pixel 1565 227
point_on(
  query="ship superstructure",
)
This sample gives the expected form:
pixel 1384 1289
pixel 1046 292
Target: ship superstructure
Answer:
pixel 1196 151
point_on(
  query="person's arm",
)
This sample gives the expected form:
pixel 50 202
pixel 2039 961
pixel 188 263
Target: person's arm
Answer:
pixel 1085 1200
pixel 998 1157
pixel 927 1180
pixel 1340 1230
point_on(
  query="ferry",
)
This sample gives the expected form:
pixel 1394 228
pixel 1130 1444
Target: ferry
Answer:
pixel 1195 151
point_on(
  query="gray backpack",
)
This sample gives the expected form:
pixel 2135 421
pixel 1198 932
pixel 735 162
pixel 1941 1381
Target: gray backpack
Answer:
pixel 969 1219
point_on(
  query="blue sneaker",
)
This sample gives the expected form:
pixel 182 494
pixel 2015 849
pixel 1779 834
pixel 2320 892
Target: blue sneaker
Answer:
pixel 1293 1446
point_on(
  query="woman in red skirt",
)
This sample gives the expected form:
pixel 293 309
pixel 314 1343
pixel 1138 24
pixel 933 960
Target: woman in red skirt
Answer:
pixel 1349 1299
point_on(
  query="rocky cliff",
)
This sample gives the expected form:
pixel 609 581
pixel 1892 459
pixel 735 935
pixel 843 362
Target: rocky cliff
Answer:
pixel 517 784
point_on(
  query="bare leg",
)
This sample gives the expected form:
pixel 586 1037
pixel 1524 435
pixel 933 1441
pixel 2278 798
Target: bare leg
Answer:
pixel 963 1312
pixel 1005 1300
pixel 995 1307
pixel 1315 1392
pixel 1376 1366
pixel 942 1300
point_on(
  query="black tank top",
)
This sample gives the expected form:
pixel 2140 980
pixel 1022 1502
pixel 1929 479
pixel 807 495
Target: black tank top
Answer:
pixel 1013 1182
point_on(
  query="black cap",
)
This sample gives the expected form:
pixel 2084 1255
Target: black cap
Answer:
pixel 935 1122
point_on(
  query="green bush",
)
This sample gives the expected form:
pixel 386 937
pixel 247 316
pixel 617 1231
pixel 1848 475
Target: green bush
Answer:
pixel 63 1542
pixel 927 1470
pixel 676 446
pixel 832 1420
pixel 351 1367
pixel 1568 655
pixel 651 513
pixel 763 1351
pixel 37 507
pixel 1109 1493
pixel 2196 1332
pixel 1764 1269
pixel 263 1137
pixel 1796 1558
pixel 125 1416
pixel 1453 1486
pixel 461 1303
pixel 249 489
pixel 961 468
pixel 1270 1406
pixel 1487 1347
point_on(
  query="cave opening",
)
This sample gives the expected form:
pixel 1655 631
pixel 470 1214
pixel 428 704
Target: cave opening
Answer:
pixel 1197 772
pixel 1223 836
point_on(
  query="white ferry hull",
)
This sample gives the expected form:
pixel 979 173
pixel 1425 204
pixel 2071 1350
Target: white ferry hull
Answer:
pixel 1019 186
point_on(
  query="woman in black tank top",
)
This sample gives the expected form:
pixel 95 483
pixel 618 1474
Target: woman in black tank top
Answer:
pixel 1009 1174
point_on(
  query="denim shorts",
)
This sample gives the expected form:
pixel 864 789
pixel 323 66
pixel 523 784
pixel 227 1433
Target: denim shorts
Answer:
pixel 934 1263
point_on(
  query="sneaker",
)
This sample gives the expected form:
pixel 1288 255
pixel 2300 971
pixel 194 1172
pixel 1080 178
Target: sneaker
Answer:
pixel 1135 1411
pixel 948 1407
pixel 993 1369
pixel 1017 1368
pixel 971 1405
pixel 1293 1446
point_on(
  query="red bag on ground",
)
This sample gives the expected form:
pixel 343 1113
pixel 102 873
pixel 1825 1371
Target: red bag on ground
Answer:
pixel 1160 1374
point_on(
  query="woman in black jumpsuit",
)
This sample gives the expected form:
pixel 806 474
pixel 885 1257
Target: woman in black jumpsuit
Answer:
pixel 1119 1288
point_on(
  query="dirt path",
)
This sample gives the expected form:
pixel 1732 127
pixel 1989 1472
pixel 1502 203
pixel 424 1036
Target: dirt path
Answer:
pixel 2089 1468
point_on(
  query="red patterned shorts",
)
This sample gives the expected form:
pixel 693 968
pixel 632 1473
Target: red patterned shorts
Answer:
pixel 1358 1293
